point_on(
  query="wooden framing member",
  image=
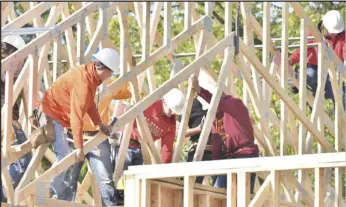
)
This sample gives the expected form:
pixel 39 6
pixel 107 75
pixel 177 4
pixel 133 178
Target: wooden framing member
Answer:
pixel 275 188
pixel 160 53
pixel 202 142
pixel 189 100
pixel 57 71
pixel 29 173
pixel 243 189
pixel 29 15
pixel 253 59
pixel 8 113
pixel 145 192
pixel 6 178
pixel 284 68
pixel 262 194
pixel 319 187
pixel 33 85
pixel 232 189
pixel 127 116
pixel 188 191
pixel 80 40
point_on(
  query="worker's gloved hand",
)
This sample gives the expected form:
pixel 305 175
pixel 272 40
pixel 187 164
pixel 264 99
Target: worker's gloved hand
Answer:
pixel 106 129
pixel 193 81
pixel 80 155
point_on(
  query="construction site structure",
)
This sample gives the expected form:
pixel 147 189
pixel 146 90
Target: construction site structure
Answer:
pixel 307 178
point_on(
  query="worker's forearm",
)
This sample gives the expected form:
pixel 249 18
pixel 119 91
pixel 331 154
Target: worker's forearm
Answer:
pixel 193 131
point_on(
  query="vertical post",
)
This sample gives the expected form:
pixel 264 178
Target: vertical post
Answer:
pixel 8 112
pixel 266 45
pixel 275 188
pixel 188 191
pixel 146 193
pixel 33 85
pixel 302 95
pixel 167 33
pixel 284 67
pixel 243 189
pixel 130 189
pixel 321 80
pixel 80 41
pixel 209 8
pixel 187 15
pixel 57 57
pixel 228 30
pixel 319 187
pixel 231 190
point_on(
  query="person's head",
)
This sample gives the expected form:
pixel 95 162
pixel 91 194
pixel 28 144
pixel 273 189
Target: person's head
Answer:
pixel 173 102
pixel 332 24
pixel 11 44
pixel 107 63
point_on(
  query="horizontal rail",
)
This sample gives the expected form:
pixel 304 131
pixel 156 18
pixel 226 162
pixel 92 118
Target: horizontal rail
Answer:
pixel 293 162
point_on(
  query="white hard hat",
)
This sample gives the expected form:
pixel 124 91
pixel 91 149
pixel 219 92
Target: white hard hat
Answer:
pixel 175 100
pixel 333 22
pixel 15 40
pixel 211 88
pixel 110 58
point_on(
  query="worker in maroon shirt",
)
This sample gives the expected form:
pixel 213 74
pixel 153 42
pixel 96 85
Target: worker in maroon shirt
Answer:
pixel 232 132
pixel 161 119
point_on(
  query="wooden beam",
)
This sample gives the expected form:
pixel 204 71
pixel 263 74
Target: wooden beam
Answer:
pixel 284 68
pixel 145 193
pixel 30 14
pixel 253 59
pixel 202 142
pixel 275 187
pixel 243 189
pixel 129 115
pixel 262 194
pixel 188 104
pixel 29 173
pixel 319 187
pixel 8 138
pixel 231 190
pixel 188 191
pixel 6 178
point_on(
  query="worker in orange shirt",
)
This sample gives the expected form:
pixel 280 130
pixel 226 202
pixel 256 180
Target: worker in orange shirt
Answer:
pixel 69 102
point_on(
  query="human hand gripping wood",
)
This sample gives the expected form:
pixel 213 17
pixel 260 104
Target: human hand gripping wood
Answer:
pixel 193 81
pixel 80 155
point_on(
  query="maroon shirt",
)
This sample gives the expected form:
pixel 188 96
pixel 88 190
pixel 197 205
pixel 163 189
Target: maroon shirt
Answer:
pixel 160 126
pixel 232 131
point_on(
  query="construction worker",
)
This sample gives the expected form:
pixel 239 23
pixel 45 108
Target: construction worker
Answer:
pixel 195 124
pixel 9 45
pixel 161 119
pixel 232 132
pixel 67 102
pixel 333 30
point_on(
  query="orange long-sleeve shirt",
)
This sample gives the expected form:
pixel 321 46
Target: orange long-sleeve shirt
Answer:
pixel 103 106
pixel 71 97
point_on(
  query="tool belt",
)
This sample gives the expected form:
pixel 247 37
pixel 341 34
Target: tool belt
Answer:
pixel 86 133
pixel 228 155
pixel 193 148
pixel 41 134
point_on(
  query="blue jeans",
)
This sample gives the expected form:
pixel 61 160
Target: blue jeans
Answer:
pixel 133 156
pixel 17 168
pixel 221 180
pixel 312 82
pixel 64 185
pixel 206 157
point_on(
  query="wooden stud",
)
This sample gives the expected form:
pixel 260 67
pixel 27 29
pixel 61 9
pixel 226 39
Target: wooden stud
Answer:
pixel 202 142
pixel 8 113
pixel 284 68
pixel 243 189
pixel 275 187
pixel 6 178
pixel 319 187
pixel 146 192
pixel 188 191
pixel 231 190
pixel 262 194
